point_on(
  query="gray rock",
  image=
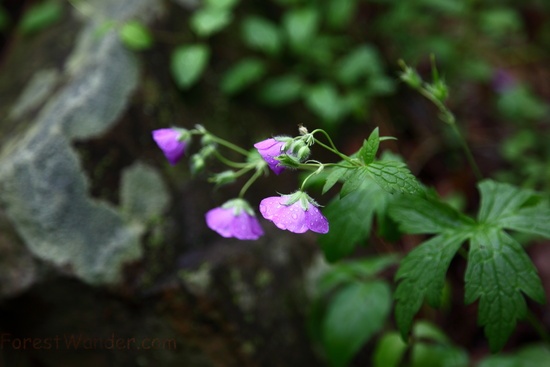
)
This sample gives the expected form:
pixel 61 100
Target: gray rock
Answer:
pixel 43 189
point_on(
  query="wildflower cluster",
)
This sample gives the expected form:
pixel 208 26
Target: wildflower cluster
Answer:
pixel 296 212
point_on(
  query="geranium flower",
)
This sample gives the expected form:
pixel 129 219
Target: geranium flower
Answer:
pixel 172 142
pixel 270 149
pixel 296 213
pixel 236 219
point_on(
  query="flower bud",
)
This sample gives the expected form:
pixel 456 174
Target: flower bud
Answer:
pixel 223 178
pixel 411 77
pixel 303 153
pixel 288 161
pixel 197 163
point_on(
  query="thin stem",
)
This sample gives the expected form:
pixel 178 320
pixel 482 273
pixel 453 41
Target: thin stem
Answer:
pixel 468 153
pixel 200 130
pixel 250 181
pixel 448 117
pixel 332 147
pixel 228 162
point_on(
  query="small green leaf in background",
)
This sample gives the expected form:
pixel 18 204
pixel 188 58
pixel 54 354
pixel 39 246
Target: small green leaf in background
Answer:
pixel 301 27
pixel 281 90
pixel 535 355
pixel 221 4
pixel 241 75
pixel 435 349
pixel 350 271
pixel 394 177
pixel 339 13
pixel 40 16
pixel 354 315
pixel 360 62
pixel 135 35
pixel 521 104
pixel 188 63
pixel 325 101
pixel 389 350
pixel 261 34
pixel 370 147
pixel 207 21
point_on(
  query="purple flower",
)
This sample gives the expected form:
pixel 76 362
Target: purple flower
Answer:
pixel 269 149
pixel 236 219
pixel 296 213
pixel 172 142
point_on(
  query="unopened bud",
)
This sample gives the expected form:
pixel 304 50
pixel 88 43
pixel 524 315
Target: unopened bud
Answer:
pixel 197 163
pixel 288 161
pixel 223 178
pixel 411 77
pixel 303 153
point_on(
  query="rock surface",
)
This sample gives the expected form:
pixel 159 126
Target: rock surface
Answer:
pixel 100 240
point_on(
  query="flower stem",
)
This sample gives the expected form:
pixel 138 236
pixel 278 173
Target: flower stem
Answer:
pixel 229 162
pixel 200 130
pixel 250 181
pixel 332 147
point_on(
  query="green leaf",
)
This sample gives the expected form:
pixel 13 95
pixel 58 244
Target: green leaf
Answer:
pixel 281 90
pixel 514 208
pixel 243 74
pixel 389 351
pixel 207 21
pixel 355 178
pixel 417 214
pixel 350 271
pixel 301 26
pixel 498 272
pixel 40 16
pixel 323 99
pixel 135 35
pixel 422 275
pixel 188 63
pixel 393 177
pixel 361 62
pixel 500 200
pixel 339 13
pixel 221 4
pixel 333 177
pixel 261 34
pixel 354 315
pixel 350 219
pixel 370 147
pixel 533 220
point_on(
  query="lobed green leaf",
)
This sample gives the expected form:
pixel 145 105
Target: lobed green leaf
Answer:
pixel 422 275
pixel 350 219
pixel 500 200
pixel 417 214
pixel 498 272
pixel 393 177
